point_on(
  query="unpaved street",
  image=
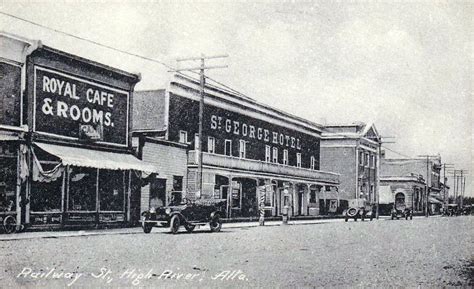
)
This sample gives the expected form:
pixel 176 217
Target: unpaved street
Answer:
pixel 433 252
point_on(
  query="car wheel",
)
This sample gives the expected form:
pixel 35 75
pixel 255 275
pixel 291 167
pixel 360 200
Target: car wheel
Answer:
pixel 174 224
pixel 355 219
pixel 189 227
pixel 215 224
pixel 392 217
pixel 352 212
pixel 147 227
pixel 411 217
pixel 9 224
pixel 406 217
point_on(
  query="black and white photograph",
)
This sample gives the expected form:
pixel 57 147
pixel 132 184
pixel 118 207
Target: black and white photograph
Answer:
pixel 236 144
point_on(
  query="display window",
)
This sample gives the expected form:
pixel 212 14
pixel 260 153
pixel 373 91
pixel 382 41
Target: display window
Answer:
pixel 8 177
pixel 112 190
pixel 45 194
pixel 82 189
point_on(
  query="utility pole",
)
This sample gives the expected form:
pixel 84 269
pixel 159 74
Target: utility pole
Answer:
pixel 428 181
pixel 202 82
pixel 446 200
pixel 459 183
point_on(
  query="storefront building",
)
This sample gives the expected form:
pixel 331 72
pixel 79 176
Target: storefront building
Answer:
pixel 353 150
pixel 407 189
pixel 248 149
pixel 74 162
pixel 429 170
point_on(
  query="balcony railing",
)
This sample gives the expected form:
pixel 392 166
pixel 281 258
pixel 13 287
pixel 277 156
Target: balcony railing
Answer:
pixel 227 162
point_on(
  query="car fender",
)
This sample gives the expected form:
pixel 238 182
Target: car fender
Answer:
pixel 214 214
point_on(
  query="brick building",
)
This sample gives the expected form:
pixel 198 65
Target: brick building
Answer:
pixel 428 170
pixel 352 150
pixel 247 148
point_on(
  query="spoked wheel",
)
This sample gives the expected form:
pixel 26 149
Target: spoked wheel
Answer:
pixel 215 224
pixel 189 227
pixel 174 224
pixel 9 224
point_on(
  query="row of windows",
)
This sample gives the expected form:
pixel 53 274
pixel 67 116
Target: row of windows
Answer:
pixel 271 154
pixel 367 159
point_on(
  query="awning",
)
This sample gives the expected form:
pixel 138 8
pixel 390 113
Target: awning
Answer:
pixel 81 157
pixel 433 200
pixel 385 195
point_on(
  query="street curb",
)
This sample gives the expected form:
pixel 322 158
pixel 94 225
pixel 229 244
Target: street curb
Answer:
pixel 138 230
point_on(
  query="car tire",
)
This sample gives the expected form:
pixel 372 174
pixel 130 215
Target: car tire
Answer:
pixel 9 224
pixel 215 224
pixel 411 217
pixel 355 219
pixel 189 227
pixel 393 217
pixel 147 227
pixel 352 212
pixel 174 224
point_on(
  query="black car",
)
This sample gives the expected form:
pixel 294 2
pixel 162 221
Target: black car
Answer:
pixel 188 214
pixel 359 208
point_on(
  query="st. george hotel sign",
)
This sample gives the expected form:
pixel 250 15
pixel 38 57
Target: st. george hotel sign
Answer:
pixel 71 107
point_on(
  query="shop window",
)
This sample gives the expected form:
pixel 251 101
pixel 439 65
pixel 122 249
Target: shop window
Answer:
pixel 275 155
pixel 242 149
pixel 8 183
pixel 313 162
pixel 46 195
pixel 177 183
pixel 298 160
pixel 211 145
pixel 111 190
pixel 267 153
pixel 82 189
pixel 285 157
pixel 228 147
pixel 183 136
pixel 157 193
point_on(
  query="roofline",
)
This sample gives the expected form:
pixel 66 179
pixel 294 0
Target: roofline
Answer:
pixel 251 101
pixel 135 76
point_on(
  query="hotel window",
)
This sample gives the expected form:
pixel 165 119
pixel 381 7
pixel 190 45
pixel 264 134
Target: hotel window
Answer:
pixel 361 158
pixel 228 147
pixel 275 155
pixel 242 149
pixel 373 161
pixel 196 141
pixel 267 154
pixel 298 160
pixel 313 162
pixel 285 157
pixel 183 136
pixel 367 159
pixel 211 144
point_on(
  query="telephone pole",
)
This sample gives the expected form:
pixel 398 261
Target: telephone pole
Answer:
pixel 202 81
pixel 445 181
pixel 428 181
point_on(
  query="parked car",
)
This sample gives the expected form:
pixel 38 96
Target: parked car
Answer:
pixel 359 208
pixel 400 210
pixel 188 214
pixel 451 210
pixel 466 210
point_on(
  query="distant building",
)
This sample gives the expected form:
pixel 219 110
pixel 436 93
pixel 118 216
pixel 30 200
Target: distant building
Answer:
pixel 409 189
pixel 428 170
pixel 352 150
pixel 248 148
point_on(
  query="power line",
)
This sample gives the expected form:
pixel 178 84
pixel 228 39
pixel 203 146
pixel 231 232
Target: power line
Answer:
pixel 85 39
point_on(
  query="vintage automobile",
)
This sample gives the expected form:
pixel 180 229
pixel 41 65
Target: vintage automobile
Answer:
pixel 451 210
pixel 359 208
pixel 188 214
pixel 400 209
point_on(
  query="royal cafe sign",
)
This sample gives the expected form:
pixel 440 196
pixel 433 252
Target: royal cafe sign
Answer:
pixel 64 104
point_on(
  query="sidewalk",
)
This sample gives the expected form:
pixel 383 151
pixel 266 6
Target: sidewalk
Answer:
pixel 139 230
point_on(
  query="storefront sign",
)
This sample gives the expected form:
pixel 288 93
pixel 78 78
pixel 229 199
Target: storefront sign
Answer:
pixel 251 131
pixel 72 107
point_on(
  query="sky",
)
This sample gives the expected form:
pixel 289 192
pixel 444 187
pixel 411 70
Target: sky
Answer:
pixel 405 66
